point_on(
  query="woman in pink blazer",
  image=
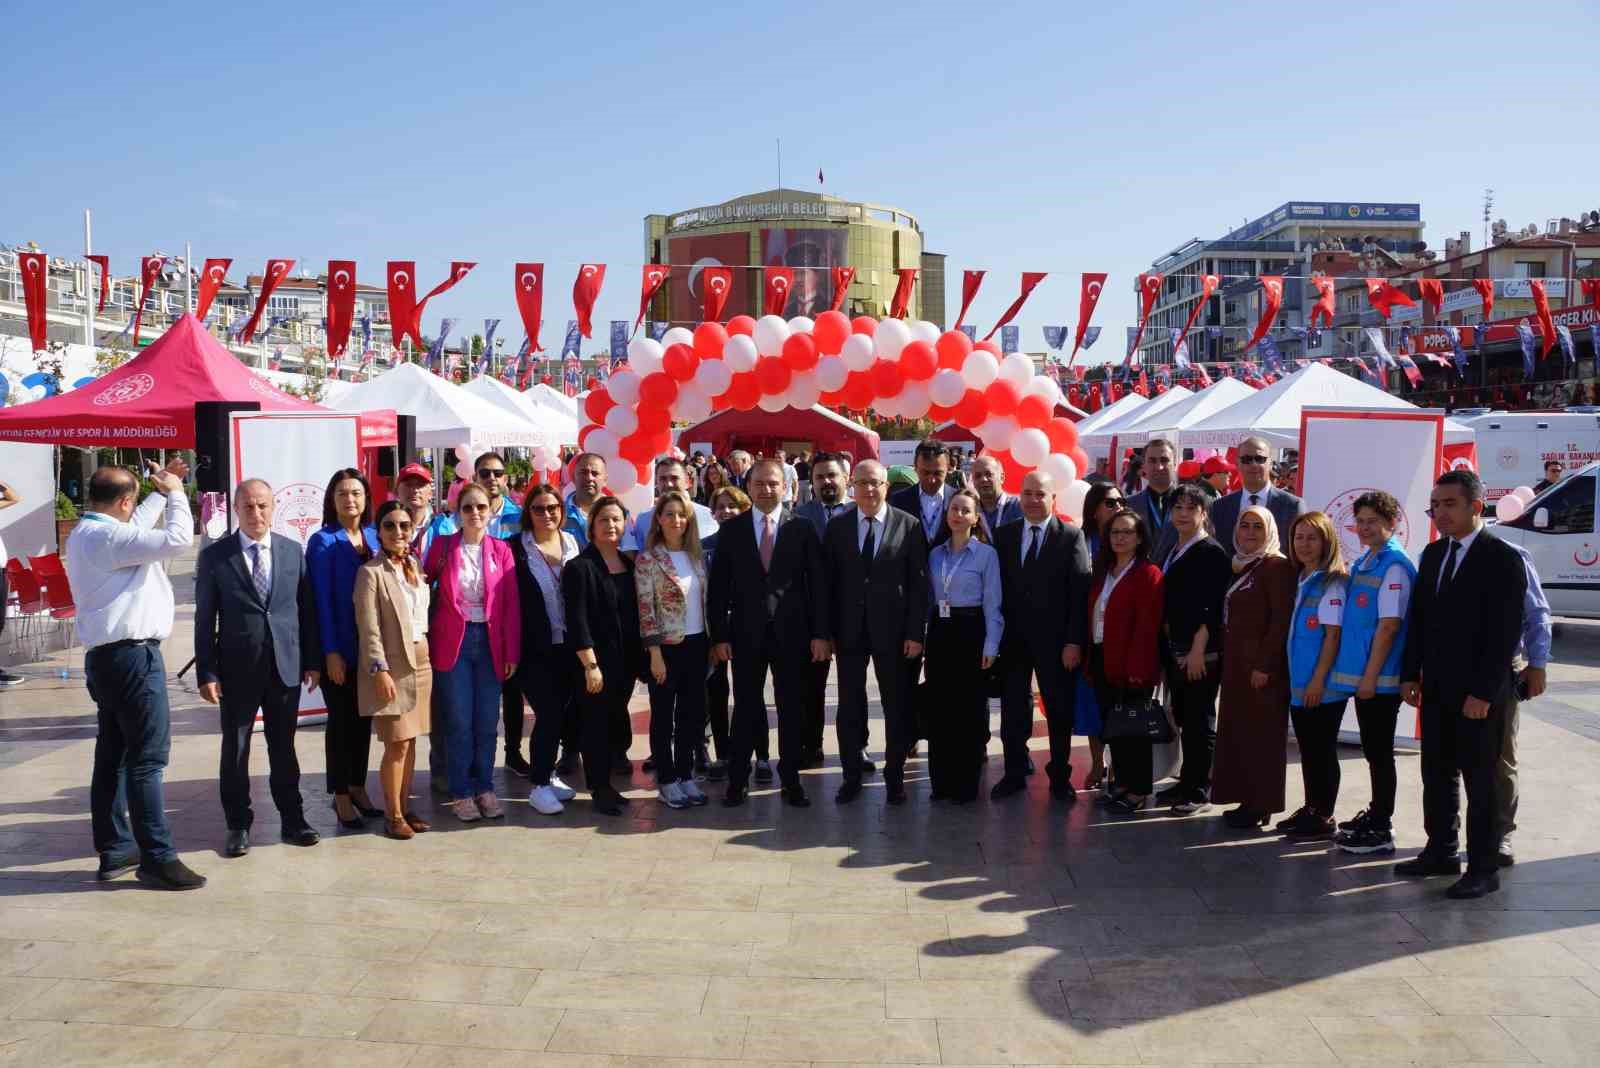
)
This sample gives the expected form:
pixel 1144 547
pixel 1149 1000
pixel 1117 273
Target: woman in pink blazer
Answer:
pixel 473 641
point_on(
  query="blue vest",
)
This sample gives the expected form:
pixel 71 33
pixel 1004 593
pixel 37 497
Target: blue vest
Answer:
pixel 1361 622
pixel 1305 636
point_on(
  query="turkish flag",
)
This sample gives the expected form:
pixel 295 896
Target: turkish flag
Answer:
pixel 277 271
pixel 902 293
pixel 779 280
pixel 105 280
pixel 341 304
pixel 1030 279
pixel 1485 288
pixel 1088 297
pixel 35 270
pixel 212 275
pixel 652 276
pixel 1149 291
pixel 585 291
pixel 458 271
pixel 1208 286
pixel 530 302
pixel 1590 287
pixel 842 277
pixel 1460 456
pixel 970 282
pixel 1541 306
pixel 1431 290
pixel 149 271
pixel 1272 300
pixel 1383 296
pixel 715 285
pixel 1324 305
pixel 403 302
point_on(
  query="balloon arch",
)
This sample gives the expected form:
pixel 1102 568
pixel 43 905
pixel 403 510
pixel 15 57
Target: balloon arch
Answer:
pixel 895 367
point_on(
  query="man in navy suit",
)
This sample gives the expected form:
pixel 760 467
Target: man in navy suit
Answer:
pixel 1255 467
pixel 927 499
pixel 255 641
pixel 830 480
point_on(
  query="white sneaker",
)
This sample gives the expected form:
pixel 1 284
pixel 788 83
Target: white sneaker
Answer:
pixel 562 791
pixel 545 800
pixel 671 795
pixel 692 792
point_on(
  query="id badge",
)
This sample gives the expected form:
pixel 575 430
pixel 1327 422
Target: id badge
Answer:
pixel 944 609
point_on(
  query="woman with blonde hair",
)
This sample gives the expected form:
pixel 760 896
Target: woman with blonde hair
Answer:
pixel 1315 709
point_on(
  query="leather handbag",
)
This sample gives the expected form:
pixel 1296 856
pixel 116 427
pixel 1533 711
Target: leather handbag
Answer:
pixel 1136 719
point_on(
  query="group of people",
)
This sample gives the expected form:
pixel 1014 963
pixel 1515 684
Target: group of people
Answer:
pixel 416 623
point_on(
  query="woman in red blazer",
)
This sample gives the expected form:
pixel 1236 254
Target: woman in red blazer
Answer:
pixel 1125 607
pixel 474 639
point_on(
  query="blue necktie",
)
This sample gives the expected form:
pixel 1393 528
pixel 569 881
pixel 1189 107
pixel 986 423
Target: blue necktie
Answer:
pixel 258 575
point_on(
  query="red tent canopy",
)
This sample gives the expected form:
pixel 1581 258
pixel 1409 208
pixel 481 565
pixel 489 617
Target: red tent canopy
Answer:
pixel 149 401
pixel 765 432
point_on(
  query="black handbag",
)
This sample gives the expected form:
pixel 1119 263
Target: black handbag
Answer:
pixel 1132 719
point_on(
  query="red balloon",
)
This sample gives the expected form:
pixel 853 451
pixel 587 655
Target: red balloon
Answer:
pixel 938 413
pixel 645 472
pixel 744 391
pixel 830 331
pixel 660 442
pixel 679 361
pixel 1062 434
pixel 887 378
pixel 597 404
pixel 1080 460
pixel 741 324
pixel 1001 396
pixel 857 392
pixel 1012 475
pixel 800 352
pixel 971 410
pixel 990 347
pixel 1033 411
pixel 773 375
pixel 657 390
pixel 709 338
pixel 635 448
pixel 918 361
pixel 864 324
pixel 583 440
pixel 953 347
pixel 653 420
pixel 831 398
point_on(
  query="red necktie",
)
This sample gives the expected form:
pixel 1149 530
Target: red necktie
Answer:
pixel 767 541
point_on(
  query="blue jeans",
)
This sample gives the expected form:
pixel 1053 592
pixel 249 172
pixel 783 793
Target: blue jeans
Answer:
pixel 128 684
pixel 472 692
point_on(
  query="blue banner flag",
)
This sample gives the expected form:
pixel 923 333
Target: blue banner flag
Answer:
pixel 1381 350
pixel 1133 335
pixel 1055 336
pixel 1594 339
pixel 435 361
pixel 484 361
pixel 366 332
pixel 1180 348
pixel 656 330
pixel 1454 334
pixel 1213 332
pixel 619 342
pixel 969 330
pixel 1564 339
pixel 1090 336
pixel 569 347
pixel 1271 358
pixel 1529 345
pixel 1010 339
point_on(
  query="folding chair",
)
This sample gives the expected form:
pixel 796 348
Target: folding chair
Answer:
pixel 30 608
pixel 58 602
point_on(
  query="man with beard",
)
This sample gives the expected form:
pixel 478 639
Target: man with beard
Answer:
pixel 830 475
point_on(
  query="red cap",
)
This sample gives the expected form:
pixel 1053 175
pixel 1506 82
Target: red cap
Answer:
pixel 1216 465
pixel 1188 469
pixel 414 471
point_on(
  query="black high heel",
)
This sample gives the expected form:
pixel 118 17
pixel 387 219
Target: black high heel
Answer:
pixel 355 823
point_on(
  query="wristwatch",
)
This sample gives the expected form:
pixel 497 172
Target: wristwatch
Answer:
pixel 375 667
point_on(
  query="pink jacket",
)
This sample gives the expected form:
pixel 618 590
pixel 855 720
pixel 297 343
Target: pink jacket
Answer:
pixel 501 608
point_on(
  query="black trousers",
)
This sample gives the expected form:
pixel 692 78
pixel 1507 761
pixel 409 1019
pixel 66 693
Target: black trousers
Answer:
pixel 511 716
pixel 547 685
pixel 850 725
pixel 1378 715
pixel 242 694
pixel 717 697
pixel 1021 665
pixel 347 739
pixel 678 709
pixel 1316 732
pixel 957 715
pixel 1131 758
pixel 597 717
pixel 1194 710
pixel 752 662
pixel 816 705
pixel 1458 750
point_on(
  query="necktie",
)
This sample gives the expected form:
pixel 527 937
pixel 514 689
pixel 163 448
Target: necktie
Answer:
pixel 766 543
pixel 258 575
pixel 1255 498
pixel 869 546
pixel 1447 573
pixel 1033 546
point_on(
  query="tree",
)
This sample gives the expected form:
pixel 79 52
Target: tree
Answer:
pixel 314 366
pixel 108 360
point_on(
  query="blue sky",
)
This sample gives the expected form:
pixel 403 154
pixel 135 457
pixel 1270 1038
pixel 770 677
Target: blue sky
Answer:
pixel 1027 136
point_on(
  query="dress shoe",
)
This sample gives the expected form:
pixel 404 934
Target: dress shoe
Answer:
pixel 734 797
pixel 1242 818
pixel 112 866
pixel 621 765
pixel 1312 827
pixel 1474 884
pixel 1063 791
pixel 847 793
pixel 608 802
pixel 514 762
pixel 1505 858
pixel 763 771
pixel 238 844
pixel 1425 864
pixel 896 796
pixel 1286 826
pixel 796 796
pixel 301 836
pixel 396 827
pixel 1171 795
pixel 1006 787
pixel 170 875
pixel 867 766
pixel 354 823
pixel 717 771
pixel 417 823
pixel 367 810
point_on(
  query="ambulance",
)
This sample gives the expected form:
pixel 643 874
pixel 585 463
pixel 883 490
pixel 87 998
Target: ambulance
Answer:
pixel 1513 446
pixel 1559 531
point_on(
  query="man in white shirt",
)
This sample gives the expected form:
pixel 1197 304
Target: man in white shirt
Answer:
pixel 791 478
pixel 671 474
pixel 114 562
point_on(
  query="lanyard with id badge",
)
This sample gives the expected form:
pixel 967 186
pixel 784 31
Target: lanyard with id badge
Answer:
pixel 952 563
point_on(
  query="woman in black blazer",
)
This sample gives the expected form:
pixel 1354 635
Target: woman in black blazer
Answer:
pixel 602 618
pixel 1196 576
pixel 544 672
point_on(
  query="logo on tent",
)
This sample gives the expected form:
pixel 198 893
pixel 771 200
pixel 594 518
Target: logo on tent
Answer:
pixel 297 511
pixel 1342 512
pixel 129 389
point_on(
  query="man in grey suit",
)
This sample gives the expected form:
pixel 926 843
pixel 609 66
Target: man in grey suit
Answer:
pixel 1255 465
pixel 255 641
pixel 1153 502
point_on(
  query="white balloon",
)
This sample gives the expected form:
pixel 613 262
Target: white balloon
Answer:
pixel 713 377
pixel 1030 447
pixel 773 402
pixel 1524 492
pixel 692 404
pixel 463 454
pixel 1062 471
pixel 1017 369
pixel 1509 507
pixel 644 355
pixel 892 336
pixel 638 498
pixel 1045 386
pixel 800 325
pixel 922 330
pixel 804 391
pixel 914 400
pixel 740 353
pixel 622 420
pixel 623 385
pixel 858 352
pixel 946 387
pixel 678 335
pixel 1070 500
pixel 979 369
pixel 997 431
pixel 620 478
pixel 831 373
pixel 887 407
pixel 603 443
pixel 770 334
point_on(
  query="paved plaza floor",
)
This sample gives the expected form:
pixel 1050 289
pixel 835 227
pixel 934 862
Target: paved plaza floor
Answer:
pixel 1019 932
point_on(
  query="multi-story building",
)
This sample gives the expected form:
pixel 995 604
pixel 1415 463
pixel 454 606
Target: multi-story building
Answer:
pixel 810 232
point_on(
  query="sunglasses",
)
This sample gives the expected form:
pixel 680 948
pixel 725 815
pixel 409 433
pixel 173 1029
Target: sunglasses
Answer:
pixel 1252 459
pixel 474 508
pixel 491 472
pixel 399 527
pixel 545 509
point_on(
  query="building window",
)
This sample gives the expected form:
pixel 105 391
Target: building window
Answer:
pixel 1528 269
pixel 289 306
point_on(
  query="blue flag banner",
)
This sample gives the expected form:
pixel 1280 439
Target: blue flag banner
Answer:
pixel 1454 334
pixel 1313 338
pixel 366 332
pixel 619 342
pixel 1379 348
pixel 1105 392
pixel 1010 339
pixel 1090 336
pixel 1594 339
pixel 1133 334
pixel 1213 332
pixel 969 330
pixel 436 350
pixel 569 347
pixel 1564 339
pixel 1271 358
pixel 656 330
pixel 1055 336
pixel 1180 349
pixel 484 361
pixel 1529 345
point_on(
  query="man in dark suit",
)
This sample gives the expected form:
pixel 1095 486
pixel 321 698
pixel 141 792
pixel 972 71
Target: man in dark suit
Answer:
pixel 876 560
pixel 999 507
pixel 768 611
pixel 1044 573
pixel 1463 627
pixel 1255 467
pixel 927 499
pixel 830 477
pixel 1152 503
pixel 255 641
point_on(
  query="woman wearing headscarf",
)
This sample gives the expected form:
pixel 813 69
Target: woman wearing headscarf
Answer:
pixel 1253 716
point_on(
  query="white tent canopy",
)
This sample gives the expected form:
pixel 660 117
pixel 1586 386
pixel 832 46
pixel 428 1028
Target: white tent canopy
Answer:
pixel 1118 409
pixel 1170 422
pixel 552 398
pixel 446 414
pixel 1100 437
pixel 561 428
pixel 1273 413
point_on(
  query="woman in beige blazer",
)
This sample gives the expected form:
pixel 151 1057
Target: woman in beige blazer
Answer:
pixel 394 679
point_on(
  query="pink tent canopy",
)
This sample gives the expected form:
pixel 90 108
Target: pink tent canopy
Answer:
pixel 149 401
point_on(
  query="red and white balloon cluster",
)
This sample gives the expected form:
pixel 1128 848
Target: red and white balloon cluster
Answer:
pixel 894 367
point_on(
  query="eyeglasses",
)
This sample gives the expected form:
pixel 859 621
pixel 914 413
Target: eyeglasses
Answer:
pixel 400 527
pixel 1122 532
pixel 1252 459
pixel 491 472
pixel 474 508
pixel 545 509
